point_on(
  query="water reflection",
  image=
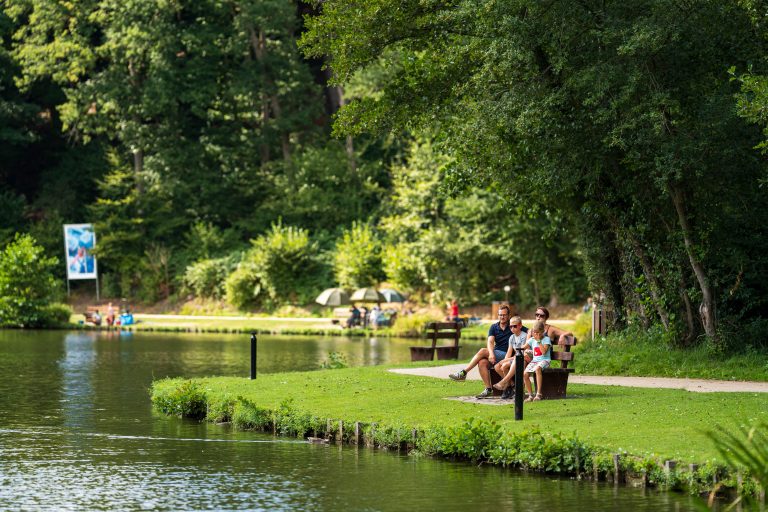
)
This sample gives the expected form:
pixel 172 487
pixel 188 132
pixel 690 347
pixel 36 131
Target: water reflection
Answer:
pixel 78 433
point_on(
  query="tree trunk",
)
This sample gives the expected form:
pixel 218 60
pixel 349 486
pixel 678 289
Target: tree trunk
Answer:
pixel 653 283
pixel 138 167
pixel 707 307
pixel 259 48
pixel 628 273
pixel 691 334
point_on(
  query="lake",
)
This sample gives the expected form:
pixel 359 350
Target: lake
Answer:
pixel 77 432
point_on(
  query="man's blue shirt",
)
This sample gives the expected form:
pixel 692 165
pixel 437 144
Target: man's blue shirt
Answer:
pixel 501 336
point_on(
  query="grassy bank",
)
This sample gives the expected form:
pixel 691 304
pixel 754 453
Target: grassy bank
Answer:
pixel 634 353
pixel 579 435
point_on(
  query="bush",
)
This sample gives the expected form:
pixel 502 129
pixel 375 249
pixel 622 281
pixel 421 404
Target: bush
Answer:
pixel 207 278
pixel 56 315
pixel 243 287
pixel 411 325
pixel 27 283
pixel 283 266
pixel 357 262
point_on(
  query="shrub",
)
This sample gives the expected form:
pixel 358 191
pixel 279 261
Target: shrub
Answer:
pixel 335 361
pixel 207 278
pixel 357 261
pixel 187 400
pixel 55 315
pixel 411 325
pixel 243 287
pixel 27 283
pixel 283 266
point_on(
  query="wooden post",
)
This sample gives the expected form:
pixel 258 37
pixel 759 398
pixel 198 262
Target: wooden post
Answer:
pixel 328 429
pixel 595 469
pixel 341 431
pixel 616 465
pixel 358 430
pixel 414 435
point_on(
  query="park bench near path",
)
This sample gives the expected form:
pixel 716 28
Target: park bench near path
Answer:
pixel 437 331
pixel 90 310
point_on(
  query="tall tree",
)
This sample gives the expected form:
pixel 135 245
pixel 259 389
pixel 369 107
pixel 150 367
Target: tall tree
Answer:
pixel 618 114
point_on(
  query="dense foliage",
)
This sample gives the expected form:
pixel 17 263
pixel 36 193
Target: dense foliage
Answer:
pixel 185 129
pixel 616 118
pixel 553 147
pixel 27 285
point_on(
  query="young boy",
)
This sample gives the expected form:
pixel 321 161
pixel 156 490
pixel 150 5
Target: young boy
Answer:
pixel 542 357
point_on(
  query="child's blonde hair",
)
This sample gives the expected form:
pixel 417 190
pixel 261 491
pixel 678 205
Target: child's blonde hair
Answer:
pixel 539 327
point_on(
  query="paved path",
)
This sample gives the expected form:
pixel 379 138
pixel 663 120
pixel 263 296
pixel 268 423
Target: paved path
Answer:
pixel 697 385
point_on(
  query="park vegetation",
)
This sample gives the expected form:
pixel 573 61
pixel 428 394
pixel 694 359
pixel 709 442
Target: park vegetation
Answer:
pixel 260 151
pixel 568 437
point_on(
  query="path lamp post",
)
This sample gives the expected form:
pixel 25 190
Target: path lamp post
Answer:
pixel 506 292
pixel 519 361
pixel 253 355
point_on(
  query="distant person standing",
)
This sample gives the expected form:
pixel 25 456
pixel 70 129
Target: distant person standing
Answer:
pixel 110 314
pixel 364 316
pixel 453 311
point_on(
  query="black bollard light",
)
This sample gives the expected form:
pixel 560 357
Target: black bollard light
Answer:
pixel 253 355
pixel 519 362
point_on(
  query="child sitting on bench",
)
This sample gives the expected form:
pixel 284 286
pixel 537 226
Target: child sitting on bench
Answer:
pixel 542 357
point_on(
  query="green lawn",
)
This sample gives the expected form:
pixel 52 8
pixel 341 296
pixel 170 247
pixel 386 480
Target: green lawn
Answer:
pixel 662 422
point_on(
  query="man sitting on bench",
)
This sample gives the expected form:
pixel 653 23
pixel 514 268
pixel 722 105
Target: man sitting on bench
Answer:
pixel 506 367
pixel 486 358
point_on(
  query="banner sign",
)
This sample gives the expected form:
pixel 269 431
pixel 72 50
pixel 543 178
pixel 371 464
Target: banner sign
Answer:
pixel 79 241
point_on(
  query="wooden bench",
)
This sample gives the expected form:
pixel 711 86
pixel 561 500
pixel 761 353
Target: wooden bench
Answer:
pixel 437 331
pixel 555 377
pixel 89 311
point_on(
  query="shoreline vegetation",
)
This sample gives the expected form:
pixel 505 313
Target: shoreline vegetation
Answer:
pixel 623 435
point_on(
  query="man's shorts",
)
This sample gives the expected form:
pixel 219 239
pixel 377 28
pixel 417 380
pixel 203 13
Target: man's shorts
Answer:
pixel 538 364
pixel 500 354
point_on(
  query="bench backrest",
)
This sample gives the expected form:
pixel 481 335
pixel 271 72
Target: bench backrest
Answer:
pixel 444 330
pixel 563 353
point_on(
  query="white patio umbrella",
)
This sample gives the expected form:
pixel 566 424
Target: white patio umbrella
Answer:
pixel 392 295
pixel 367 295
pixel 333 297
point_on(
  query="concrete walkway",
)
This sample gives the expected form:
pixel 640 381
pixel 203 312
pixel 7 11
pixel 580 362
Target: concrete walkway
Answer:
pixel 696 385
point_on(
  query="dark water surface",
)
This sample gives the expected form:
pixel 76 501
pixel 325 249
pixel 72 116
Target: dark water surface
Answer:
pixel 77 432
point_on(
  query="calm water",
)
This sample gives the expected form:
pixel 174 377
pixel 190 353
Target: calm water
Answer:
pixel 77 433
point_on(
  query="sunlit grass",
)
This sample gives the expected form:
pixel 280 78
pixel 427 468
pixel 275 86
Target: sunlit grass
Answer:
pixel 667 423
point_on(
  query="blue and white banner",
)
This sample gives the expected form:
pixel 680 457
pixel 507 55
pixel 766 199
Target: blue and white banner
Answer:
pixel 79 242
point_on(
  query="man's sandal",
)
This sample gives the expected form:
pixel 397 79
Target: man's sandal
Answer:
pixel 538 397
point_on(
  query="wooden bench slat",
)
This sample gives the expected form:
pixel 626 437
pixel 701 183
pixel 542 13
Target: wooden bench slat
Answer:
pixel 560 355
pixel 442 335
pixel 443 325
pixel 566 341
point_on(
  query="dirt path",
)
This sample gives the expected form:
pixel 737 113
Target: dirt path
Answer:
pixel 697 385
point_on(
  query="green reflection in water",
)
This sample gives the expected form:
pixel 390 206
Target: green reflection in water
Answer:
pixel 77 432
